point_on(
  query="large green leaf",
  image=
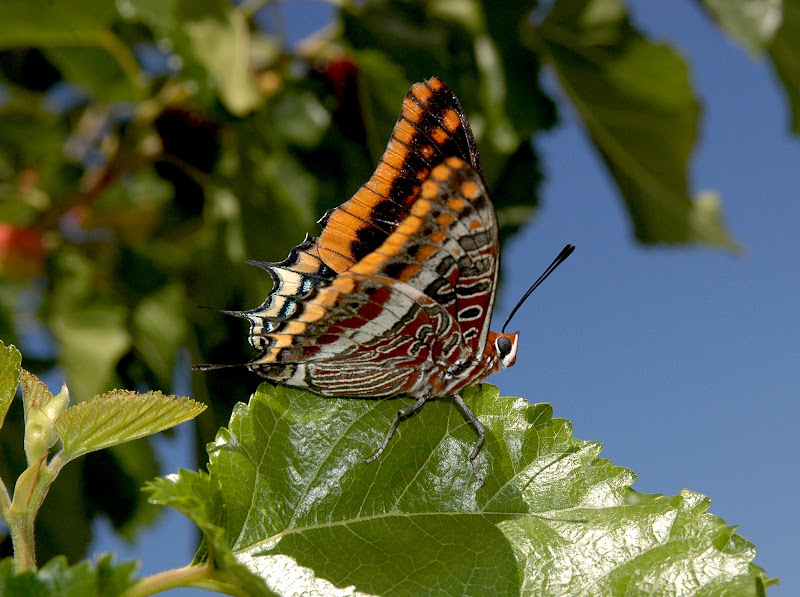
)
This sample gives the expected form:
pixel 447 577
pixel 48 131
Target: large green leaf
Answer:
pixel 752 22
pixel 293 500
pixel 636 103
pixel 785 54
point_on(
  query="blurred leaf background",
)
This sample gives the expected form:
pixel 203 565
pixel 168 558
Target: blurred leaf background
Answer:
pixel 148 148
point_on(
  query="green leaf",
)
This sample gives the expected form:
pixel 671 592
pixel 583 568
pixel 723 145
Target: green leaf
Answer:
pixel 24 488
pixel 159 14
pixel 198 497
pixel 640 112
pixel 380 83
pixel 707 221
pixel 58 579
pixel 221 42
pixel 10 365
pixel 159 329
pixel 752 22
pixel 98 69
pixel 300 508
pixel 785 54
pixel 301 118
pixel 78 35
pixel 34 391
pixel 88 323
pixel 120 416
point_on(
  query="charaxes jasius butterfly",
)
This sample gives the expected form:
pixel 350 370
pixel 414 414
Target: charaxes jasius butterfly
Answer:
pixel 395 295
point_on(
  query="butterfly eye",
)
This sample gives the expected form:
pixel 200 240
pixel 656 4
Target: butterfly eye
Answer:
pixel 503 346
pixel 506 347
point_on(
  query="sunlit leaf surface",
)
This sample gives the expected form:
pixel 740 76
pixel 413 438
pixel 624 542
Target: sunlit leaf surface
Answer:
pixel 293 500
pixel 121 416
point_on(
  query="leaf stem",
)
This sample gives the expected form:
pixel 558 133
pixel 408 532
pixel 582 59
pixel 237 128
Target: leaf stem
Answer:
pixel 23 541
pixel 202 576
pixel 21 517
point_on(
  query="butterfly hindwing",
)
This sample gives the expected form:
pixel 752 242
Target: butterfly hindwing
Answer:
pixel 293 279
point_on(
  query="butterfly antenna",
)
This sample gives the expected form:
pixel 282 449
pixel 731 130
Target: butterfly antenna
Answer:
pixel 562 256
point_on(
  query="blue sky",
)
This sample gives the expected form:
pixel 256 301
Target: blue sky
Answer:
pixel 682 362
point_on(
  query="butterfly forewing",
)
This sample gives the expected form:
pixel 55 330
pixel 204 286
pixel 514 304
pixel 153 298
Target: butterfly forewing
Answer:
pixel 431 128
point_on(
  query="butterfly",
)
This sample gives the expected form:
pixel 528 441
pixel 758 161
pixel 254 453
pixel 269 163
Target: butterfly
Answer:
pixel 395 296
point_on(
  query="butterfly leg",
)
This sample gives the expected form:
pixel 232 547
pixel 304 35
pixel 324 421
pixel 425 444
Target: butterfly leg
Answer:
pixel 459 402
pixel 403 412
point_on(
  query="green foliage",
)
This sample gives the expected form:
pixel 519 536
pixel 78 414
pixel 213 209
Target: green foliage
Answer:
pixel 104 578
pixel 10 362
pixel 137 195
pixel 752 22
pixel 120 416
pixel 77 38
pixel 784 50
pixel 290 499
pixel 630 91
pixel 98 423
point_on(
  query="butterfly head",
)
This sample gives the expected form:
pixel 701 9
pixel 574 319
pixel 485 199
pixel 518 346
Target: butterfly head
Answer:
pixel 505 346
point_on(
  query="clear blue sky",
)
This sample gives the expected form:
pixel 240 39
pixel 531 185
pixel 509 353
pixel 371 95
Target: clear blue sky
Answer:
pixel 683 362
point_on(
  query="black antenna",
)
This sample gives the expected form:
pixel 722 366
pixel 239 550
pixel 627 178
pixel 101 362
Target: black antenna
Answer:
pixel 565 252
